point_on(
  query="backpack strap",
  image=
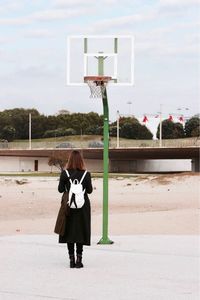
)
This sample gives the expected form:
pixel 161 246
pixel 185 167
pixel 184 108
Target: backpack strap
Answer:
pixel 68 176
pixel 83 176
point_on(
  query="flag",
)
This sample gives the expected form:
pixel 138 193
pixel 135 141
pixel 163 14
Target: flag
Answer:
pixel 145 119
pixel 170 118
pixel 181 119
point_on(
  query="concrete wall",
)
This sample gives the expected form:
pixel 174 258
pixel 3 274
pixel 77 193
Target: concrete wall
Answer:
pixel 25 164
pixel 8 164
pixel 151 165
pixel 195 165
pixel 164 165
pixel 124 166
pixel 94 165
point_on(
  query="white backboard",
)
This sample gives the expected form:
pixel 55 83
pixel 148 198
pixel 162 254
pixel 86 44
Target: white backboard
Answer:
pixel 100 55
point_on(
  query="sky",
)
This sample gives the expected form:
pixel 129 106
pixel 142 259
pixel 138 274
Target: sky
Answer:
pixel 33 47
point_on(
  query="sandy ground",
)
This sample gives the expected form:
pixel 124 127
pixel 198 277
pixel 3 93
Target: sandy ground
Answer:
pixel 140 204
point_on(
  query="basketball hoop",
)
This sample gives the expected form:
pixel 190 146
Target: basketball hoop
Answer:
pixel 97 85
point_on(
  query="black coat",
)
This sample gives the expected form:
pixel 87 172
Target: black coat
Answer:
pixel 78 223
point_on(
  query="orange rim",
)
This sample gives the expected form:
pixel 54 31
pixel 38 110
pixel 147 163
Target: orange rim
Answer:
pixel 97 78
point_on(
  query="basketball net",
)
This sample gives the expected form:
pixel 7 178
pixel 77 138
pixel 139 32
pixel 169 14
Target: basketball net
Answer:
pixel 97 85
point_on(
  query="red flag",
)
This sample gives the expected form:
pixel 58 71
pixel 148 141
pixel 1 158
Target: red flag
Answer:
pixel 170 118
pixel 145 119
pixel 181 119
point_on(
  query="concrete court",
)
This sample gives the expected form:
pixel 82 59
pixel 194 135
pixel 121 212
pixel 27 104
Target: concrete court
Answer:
pixel 161 267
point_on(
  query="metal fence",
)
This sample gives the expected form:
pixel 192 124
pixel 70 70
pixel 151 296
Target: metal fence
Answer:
pixel 3 144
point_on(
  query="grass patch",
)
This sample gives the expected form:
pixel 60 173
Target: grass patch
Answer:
pixel 59 139
pixel 79 141
pixel 57 174
pixel 30 174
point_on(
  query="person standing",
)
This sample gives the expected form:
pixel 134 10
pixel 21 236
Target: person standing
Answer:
pixel 78 223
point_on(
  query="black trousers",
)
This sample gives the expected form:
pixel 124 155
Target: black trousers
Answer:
pixel 79 248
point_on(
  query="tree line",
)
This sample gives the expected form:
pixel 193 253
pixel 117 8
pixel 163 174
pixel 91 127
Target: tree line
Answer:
pixel 14 124
pixel 176 130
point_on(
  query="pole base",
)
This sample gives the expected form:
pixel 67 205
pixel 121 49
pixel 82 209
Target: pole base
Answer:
pixel 105 241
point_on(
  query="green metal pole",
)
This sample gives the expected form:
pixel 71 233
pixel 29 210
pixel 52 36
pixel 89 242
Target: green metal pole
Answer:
pixel 105 239
pixel 85 45
pixel 115 51
pixel 101 65
pixel 115 45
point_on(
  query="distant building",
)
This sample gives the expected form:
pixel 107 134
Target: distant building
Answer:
pixel 63 112
pixel 122 160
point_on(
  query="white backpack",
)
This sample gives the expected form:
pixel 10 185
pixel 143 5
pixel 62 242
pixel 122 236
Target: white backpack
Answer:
pixel 76 192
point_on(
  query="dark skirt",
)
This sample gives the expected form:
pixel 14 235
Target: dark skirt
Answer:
pixel 78 225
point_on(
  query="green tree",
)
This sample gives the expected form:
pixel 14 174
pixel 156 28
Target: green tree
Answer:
pixel 113 130
pixel 58 160
pixel 178 131
pixel 131 128
pixel 18 118
pixel 170 130
pixel 38 126
pixel 192 127
pixel 52 122
pixel 59 132
pixel 8 133
pixel 80 122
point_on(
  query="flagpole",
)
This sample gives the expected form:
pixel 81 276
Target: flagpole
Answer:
pixel 118 129
pixel 160 125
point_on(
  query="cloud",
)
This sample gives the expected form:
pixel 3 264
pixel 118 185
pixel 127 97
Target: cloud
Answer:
pixel 57 14
pixel 178 3
pixel 69 3
pixel 37 73
pixel 46 15
pixel 168 31
pixel 118 22
pixel 15 21
pixel 91 3
pixel 10 6
pixel 176 7
pixel 165 49
pixel 186 25
pixel 39 33
pixel 4 40
pixel 176 40
pixel 156 12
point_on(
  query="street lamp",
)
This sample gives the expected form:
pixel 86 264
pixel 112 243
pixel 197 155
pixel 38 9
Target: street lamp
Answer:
pixel 160 137
pixel 182 108
pixel 29 131
pixel 129 103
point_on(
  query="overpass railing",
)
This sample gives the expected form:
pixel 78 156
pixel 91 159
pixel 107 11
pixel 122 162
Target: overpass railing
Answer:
pixel 187 142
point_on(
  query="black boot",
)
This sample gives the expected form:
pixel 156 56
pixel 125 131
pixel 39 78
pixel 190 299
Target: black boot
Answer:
pixel 79 261
pixel 72 261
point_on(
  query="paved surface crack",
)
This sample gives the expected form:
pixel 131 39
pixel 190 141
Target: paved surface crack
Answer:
pixel 35 295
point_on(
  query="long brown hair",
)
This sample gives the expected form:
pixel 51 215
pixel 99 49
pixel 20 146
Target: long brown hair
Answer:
pixel 75 161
